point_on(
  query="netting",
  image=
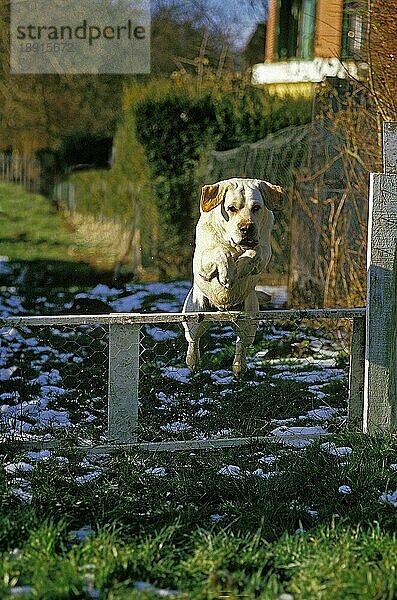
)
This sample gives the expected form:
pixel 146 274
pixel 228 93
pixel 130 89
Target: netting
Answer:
pixel 319 240
pixel 55 382
pixel 276 158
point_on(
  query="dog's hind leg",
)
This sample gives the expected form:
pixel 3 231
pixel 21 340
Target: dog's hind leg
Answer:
pixel 246 330
pixel 195 302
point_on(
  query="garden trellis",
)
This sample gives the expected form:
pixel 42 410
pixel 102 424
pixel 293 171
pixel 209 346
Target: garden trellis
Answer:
pixel 372 382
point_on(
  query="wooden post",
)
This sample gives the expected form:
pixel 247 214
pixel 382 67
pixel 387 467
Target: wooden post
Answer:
pixel 124 350
pixel 380 400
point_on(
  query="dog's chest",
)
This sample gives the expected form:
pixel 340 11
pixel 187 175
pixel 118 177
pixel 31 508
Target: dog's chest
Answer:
pixel 227 298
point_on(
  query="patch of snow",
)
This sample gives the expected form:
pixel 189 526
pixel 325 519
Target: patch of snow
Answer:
pixel 335 450
pixel 225 392
pixel 48 392
pixel 89 477
pixel 222 380
pixel 48 378
pixel 268 460
pixel 322 413
pixel 54 418
pixel 156 471
pixel 80 535
pixel 13 468
pixel 312 376
pixel 290 435
pixel 176 427
pixel 5 268
pixel 40 455
pixel 202 412
pixel 223 432
pixel 216 518
pixel 21 590
pixel 6 374
pixel 260 473
pixel 283 421
pixel 22 494
pixel 14 396
pixel 161 335
pixel 230 471
pixel 318 393
pixel 297 431
pixel 389 498
pixel 181 374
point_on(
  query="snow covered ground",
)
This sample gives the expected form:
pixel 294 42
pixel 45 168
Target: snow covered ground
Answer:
pixel 54 380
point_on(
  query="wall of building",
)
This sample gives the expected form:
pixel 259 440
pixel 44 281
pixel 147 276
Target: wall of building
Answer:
pixel 328 36
pixel 329 19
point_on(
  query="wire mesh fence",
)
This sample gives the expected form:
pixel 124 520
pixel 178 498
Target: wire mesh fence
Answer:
pixel 71 382
pixel 54 381
pixel 297 375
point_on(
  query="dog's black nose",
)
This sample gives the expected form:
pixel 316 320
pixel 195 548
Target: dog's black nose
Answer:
pixel 247 228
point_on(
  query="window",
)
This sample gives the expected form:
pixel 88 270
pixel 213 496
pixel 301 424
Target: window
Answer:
pixel 296 22
pixel 353 34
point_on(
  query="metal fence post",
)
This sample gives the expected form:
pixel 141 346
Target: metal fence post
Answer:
pixel 124 351
pixel 380 400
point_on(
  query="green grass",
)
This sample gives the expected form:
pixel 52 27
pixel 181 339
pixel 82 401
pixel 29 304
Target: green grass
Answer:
pixel 31 228
pixel 35 237
pixel 160 530
pixel 335 563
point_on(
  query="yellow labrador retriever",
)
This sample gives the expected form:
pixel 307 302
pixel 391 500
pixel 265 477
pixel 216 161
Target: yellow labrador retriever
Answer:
pixel 232 250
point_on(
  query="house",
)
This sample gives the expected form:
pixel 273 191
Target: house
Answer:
pixel 308 40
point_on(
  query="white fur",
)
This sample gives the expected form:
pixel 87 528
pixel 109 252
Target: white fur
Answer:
pixel 226 272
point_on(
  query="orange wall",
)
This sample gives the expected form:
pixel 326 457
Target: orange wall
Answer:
pixel 328 38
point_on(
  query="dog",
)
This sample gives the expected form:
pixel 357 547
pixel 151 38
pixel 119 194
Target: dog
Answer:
pixel 232 251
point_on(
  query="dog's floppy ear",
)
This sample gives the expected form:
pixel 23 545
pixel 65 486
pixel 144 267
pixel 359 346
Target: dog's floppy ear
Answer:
pixel 211 196
pixel 273 195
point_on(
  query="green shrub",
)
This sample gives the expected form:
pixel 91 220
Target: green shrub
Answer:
pixel 166 129
pixel 175 131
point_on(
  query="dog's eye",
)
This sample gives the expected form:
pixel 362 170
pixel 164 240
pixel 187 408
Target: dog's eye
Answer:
pixel 232 209
pixel 256 207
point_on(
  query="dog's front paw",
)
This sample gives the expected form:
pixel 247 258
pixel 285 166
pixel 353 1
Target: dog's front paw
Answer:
pixel 226 271
pixel 208 270
pixel 247 264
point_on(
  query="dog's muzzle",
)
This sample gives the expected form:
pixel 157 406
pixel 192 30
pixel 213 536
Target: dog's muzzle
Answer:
pixel 247 243
pixel 247 231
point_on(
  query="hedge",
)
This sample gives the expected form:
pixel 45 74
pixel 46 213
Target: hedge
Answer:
pixel 166 129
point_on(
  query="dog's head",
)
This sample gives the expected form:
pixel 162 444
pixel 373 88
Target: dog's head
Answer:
pixel 242 208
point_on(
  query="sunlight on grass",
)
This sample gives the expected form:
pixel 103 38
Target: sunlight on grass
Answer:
pixel 33 229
